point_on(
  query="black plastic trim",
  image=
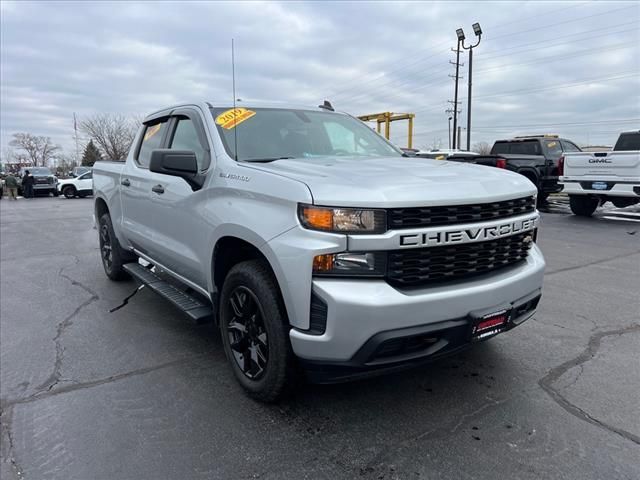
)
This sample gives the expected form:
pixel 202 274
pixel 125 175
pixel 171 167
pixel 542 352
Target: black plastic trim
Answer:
pixel 317 315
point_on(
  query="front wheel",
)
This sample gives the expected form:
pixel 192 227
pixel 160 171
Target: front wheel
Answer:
pixel 112 255
pixel 255 331
pixel 69 192
pixel 582 205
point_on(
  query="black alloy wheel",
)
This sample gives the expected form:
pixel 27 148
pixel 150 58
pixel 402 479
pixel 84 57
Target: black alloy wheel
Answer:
pixel 255 332
pixel 247 333
pixel 112 255
pixel 106 248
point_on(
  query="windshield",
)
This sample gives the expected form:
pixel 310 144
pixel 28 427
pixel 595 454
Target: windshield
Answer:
pixel 39 171
pixel 274 133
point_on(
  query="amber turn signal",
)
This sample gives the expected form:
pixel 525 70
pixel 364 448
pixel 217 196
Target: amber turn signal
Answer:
pixel 323 263
pixel 319 218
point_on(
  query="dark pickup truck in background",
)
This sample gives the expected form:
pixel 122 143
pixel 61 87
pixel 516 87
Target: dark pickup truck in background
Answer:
pixel 536 157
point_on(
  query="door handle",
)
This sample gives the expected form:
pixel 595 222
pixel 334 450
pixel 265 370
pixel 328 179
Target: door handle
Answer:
pixel 125 182
pixel 158 189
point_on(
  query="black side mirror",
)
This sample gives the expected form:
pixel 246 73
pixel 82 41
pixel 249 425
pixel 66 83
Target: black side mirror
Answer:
pixel 178 163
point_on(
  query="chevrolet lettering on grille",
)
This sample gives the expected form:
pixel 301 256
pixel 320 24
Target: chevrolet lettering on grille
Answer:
pixel 467 235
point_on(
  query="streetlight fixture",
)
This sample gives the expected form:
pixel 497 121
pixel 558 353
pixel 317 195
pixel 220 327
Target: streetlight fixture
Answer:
pixel 478 31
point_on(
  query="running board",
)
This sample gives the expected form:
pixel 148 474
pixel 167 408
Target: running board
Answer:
pixel 197 310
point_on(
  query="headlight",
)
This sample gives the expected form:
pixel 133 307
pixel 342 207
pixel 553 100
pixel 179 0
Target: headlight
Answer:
pixel 347 263
pixel 342 220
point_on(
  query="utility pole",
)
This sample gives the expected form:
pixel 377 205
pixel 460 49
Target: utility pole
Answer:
pixel 455 97
pixel 75 130
pixel 450 132
pixel 459 135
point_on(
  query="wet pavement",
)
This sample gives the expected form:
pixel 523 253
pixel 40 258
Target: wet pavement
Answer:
pixel 142 394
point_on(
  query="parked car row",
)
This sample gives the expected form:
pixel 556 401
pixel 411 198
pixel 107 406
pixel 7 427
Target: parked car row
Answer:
pixel 44 181
pixel 555 164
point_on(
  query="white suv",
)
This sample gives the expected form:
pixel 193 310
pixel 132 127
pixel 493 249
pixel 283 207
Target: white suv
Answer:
pixel 77 187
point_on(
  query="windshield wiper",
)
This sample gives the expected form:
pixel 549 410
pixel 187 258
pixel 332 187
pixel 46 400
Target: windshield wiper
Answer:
pixel 267 160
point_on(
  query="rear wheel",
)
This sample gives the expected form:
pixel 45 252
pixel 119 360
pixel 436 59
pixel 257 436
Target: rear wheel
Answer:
pixel 69 191
pixel 112 255
pixel 255 331
pixel 583 205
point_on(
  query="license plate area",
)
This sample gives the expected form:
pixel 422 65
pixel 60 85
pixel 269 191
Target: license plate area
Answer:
pixel 599 186
pixel 490 325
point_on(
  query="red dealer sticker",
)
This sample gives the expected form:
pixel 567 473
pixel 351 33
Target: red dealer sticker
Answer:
pixel 490 325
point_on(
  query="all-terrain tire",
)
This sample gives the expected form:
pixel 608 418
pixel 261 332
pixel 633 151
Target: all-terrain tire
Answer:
pixel 262 314
pixel 112 255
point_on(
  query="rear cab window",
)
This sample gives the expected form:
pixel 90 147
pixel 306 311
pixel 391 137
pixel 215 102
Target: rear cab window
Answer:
pixel 628 141
pixel 517 147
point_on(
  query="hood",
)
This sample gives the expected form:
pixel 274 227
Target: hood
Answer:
pixel 398 181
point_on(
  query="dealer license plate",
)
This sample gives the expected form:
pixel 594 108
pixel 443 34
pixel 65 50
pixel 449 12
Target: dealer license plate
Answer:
pixel 490 325
pixel 599 185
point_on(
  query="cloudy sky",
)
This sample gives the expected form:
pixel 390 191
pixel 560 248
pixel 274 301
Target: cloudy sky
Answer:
pixel 571 68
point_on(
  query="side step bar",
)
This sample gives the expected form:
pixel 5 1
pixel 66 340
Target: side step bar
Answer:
pixel 197 310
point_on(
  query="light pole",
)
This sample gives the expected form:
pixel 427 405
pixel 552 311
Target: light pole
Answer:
pixel 478 31
pixel 450 132
pixel 460 35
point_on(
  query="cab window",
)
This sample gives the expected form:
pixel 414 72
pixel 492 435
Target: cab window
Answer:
pixel 185 137
pixel 554 150
pixel 569 147
pixel 151 140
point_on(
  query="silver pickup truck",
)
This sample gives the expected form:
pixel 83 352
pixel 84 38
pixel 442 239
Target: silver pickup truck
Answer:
pixel 314 244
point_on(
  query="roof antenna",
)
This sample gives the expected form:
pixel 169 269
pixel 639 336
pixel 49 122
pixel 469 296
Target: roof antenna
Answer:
pixel 235 124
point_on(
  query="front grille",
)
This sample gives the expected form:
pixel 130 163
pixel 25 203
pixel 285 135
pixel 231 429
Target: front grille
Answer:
pixel 421 266
pixel 433 216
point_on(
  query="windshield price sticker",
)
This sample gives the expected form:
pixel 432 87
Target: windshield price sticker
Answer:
pixel 233 117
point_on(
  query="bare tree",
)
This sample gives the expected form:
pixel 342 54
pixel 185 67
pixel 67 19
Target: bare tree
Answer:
pixel 482 148
pixel 113 133
pixel 36 149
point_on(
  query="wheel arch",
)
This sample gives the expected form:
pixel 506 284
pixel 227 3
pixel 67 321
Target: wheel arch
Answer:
pixel 100 208
pixel 231 249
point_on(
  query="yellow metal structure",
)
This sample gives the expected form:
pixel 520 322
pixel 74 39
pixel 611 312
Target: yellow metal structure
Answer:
pixel 386 118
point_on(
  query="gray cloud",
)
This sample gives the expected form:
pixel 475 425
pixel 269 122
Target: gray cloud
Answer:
pixel 541 67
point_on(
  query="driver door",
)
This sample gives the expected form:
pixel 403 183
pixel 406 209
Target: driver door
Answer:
pixel 174 210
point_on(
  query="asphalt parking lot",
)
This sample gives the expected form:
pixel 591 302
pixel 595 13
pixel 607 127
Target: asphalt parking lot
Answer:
pixel 142 394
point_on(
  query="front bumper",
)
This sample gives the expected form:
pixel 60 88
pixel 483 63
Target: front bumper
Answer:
pixel 401 349
pixel 359 310
pixel 45 186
